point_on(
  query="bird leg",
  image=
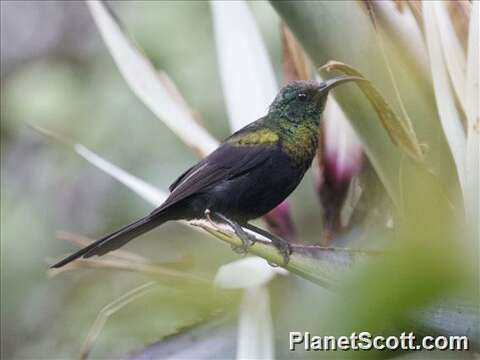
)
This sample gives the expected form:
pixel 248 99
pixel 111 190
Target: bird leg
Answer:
pixel 282 245
pixel 208 215
pixel 247 239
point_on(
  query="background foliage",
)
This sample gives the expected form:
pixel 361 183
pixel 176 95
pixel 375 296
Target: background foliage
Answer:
pixel 77 91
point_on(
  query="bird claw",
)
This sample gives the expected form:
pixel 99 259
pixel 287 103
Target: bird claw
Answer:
pixel 284 249
pixel 247 242
pixel 247 239
pixel 242 249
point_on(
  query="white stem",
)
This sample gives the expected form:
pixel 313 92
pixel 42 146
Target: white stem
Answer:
pixel 255 329
pixel 148 192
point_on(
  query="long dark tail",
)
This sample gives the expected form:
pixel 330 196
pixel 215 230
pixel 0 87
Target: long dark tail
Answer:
pixel 118 238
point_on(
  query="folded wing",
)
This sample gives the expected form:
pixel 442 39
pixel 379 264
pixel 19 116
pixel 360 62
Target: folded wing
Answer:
pixel 225 163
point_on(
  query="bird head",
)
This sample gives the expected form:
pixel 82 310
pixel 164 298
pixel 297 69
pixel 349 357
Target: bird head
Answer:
pixel 302 100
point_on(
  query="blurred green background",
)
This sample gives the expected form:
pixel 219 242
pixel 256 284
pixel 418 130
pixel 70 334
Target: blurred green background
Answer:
pixel 57 74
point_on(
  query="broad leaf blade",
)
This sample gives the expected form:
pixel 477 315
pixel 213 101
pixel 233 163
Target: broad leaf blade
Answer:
pixel 452 50
pixel 146 83
pixel 295 63
pixel 318 26
pixel 449 116
pixel 248 80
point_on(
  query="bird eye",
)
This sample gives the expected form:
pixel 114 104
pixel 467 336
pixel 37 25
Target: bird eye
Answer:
pixel 302 96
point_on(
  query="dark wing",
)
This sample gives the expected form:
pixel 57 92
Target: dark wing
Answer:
pixel 216 156
pixel 226 162
pixel 183 176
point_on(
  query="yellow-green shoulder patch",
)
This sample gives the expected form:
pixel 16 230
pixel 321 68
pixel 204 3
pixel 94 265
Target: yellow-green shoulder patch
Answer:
pixel 257 137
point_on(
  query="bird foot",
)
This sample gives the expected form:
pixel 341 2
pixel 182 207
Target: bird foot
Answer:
pixel 241 250
pixel 208 216
pixel 247 239
pixel 283 248
pixel 247 242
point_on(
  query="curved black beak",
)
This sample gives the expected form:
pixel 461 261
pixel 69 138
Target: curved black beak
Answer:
pixel 331 83
pixel 325 86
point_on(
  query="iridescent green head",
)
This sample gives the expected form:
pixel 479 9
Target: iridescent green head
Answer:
pixel 301 101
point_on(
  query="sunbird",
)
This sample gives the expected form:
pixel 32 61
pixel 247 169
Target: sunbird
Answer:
pixel 250 173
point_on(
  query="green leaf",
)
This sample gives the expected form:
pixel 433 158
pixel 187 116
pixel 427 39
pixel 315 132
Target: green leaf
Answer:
pixel 321 28
pixel 396 127
pixel 154 89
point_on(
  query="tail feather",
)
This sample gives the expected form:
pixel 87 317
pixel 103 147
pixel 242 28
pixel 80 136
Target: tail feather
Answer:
pixel 116 239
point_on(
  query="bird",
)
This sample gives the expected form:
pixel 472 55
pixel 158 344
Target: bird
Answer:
pixel 250 173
